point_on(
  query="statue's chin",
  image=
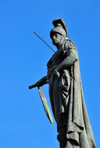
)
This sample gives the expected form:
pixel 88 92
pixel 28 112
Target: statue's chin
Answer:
pixel 55 43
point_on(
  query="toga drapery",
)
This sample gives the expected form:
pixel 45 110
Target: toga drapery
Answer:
pixel 66 96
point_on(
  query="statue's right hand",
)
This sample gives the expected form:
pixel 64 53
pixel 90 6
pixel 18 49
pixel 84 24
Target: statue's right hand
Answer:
pixel 34 85
pixel 39 83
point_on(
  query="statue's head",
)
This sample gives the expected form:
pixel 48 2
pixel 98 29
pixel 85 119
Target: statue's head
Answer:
pixel 60 28
pixel 59 33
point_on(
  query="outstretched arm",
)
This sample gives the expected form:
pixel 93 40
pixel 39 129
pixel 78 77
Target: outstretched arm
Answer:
pixel 41 82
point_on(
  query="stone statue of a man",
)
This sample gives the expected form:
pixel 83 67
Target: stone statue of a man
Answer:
pixel 65 91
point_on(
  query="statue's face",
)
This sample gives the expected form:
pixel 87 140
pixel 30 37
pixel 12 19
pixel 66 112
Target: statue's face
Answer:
pixel 57 39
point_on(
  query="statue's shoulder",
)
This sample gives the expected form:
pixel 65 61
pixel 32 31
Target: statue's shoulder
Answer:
pixel 69 44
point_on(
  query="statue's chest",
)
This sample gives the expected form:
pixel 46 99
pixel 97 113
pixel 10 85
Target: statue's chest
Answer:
pixel 57 58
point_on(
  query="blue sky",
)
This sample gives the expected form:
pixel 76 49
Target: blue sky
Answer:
pixel 23 59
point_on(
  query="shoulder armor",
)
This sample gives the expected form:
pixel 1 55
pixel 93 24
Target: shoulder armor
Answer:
pixel 69 44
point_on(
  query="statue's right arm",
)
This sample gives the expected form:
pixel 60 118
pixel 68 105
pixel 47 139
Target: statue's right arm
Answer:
pixel 41 82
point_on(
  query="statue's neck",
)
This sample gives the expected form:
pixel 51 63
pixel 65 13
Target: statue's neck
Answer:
pixel 59 45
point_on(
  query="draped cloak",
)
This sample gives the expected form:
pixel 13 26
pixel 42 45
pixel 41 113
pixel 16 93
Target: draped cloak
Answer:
pixel 78 128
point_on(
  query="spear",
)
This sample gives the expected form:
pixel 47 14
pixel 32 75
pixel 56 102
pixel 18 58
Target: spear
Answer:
pixel 43 41
pixel 43 99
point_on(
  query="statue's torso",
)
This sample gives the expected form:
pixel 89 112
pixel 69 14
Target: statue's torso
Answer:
pixel 57 58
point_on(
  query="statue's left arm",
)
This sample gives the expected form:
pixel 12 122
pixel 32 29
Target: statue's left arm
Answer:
pixel 71 58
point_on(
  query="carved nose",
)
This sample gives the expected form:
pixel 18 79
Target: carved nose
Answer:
pixel 54 37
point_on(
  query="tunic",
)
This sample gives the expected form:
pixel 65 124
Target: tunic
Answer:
pixel 66 97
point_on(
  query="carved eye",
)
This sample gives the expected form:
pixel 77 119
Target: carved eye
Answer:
pixel 55 35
